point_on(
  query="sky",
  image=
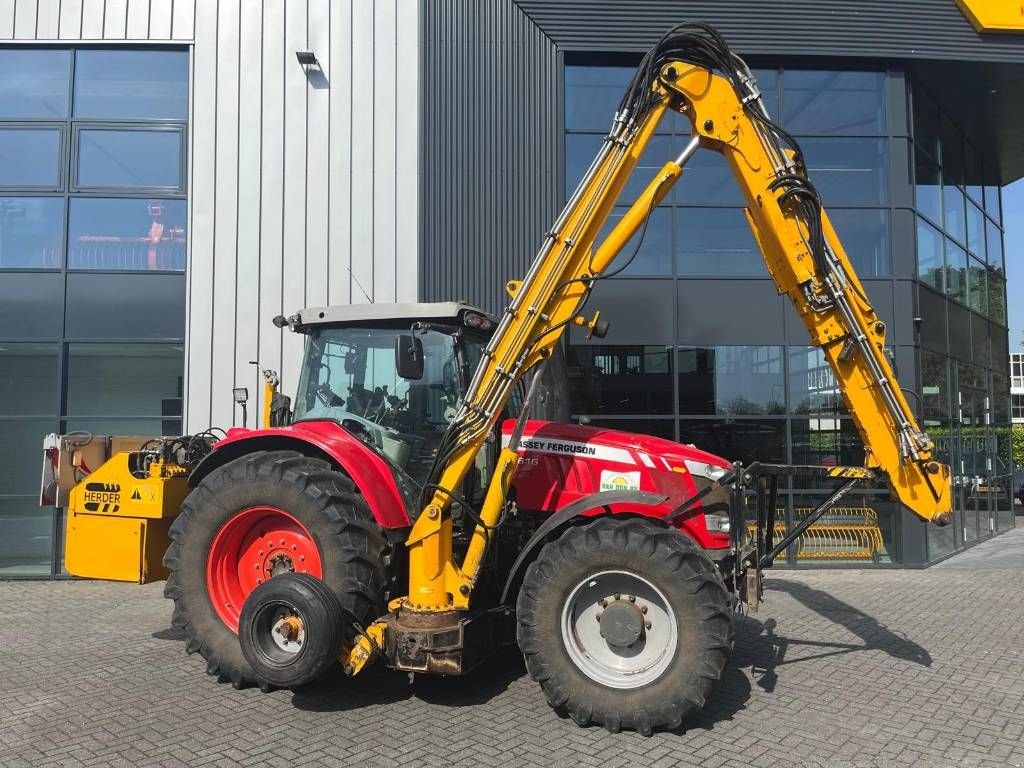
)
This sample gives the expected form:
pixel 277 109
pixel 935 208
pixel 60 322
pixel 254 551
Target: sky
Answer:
pixel 1013 243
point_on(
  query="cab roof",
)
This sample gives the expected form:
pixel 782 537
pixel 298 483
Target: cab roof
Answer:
pixel 358 314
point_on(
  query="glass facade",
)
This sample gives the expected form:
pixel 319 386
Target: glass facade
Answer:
pixel 92 260
pixel 691 373
pixel 964 365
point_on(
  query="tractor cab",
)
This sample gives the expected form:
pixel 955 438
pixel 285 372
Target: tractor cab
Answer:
pixel 393 375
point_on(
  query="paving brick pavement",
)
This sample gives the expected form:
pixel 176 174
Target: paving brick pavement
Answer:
pixel 840 668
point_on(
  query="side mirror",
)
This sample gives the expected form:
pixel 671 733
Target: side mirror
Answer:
pixel 409 357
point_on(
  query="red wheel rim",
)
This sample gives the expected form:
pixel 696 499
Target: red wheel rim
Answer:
pixel 251 547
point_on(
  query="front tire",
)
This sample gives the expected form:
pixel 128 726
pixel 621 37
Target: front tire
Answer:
pixel 314 520
pixel 625 623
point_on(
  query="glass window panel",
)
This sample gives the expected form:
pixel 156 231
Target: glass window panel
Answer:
pixel 131 85
pixel 106 425
pixel 26 532
pixel 708 180
pixel 29 379
pixel 34 84
pixel 606 379
pixel 941 541
pixel 109 158
pixel 30 231
pixel 122 233
pixel 848 171
pixel 592 95
pixel 826 442
pixel 727 380
pixel 864 234
pixel 997 298
pixel 927 186
pixel 123 379
pixel 29 157
pixel 580 151
pixel 655 254
pixel 581 148
pixel 972 174
pixel 822 102
pixel 934 387
pixel 994 243
pixel 863 528
pixel 954 213
pixel 813 388
pixel 768 84
pixel 1000 398
pixel 992 206
pixel 975 230
pixel 743 440
pixel 716 241
pixel 929 255
pixel 977 287
pixel 21 451
pixel 956 271
pixel 952 152
pixel 926 123
pixel 657 427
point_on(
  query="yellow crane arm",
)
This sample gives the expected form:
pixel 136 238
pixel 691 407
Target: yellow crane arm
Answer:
pixel 690 71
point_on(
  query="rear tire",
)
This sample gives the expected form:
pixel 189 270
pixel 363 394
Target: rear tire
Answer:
pixel 640 663
pixel 350 547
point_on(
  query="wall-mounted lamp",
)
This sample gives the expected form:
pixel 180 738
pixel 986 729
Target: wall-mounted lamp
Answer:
pixel 307 59
pixel 241 396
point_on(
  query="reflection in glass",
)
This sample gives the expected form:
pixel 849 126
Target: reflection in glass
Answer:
pixel 611 379
pixel 108 158
pixel 123 233
pixel 929 255
pixel 131 85
pixel 823 102
pixel 997 297
pixel 977 287
pixel 655 254
pixel 956 271
pixel 708 180
pixel 926 122
pixel 975 230
pixel 28 379
pixel 934 388
pixel 927 186
pixel 29 157
pixel 972 174
pixel 34 83
pixel 21 443
pixel 30 232
pixel 952 152
pixel 864 234
pixel 656 427
pixel 862 528
pixel 124 379
pixel 728 380
pixel 848 171
pixel 994 243
pixel 592 95
pixel 813 388
pixel 26 531
pixel 826 442
pixel 992 206
pixel 716 241
pixel 743 440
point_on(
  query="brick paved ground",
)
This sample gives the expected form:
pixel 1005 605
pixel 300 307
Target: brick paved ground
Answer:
pixel 840 668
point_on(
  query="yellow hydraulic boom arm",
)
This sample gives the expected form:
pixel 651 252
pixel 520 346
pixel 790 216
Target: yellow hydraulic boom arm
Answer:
pixel 690 71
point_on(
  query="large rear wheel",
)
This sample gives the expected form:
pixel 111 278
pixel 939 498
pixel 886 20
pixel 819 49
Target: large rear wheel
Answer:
pixel 262 515
pixel 624 623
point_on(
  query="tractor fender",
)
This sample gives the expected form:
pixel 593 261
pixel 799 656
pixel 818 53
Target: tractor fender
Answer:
pixel 565 515
pixel 325 440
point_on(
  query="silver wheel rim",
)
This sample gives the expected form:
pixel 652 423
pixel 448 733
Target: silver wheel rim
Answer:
pixel 615 664
pixel 286 643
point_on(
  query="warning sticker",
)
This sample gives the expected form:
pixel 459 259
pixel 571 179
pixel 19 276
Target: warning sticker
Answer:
pixel 619 481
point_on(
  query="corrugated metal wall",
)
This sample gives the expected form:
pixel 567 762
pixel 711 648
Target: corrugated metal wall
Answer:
pixel 490 129
pixel 301 186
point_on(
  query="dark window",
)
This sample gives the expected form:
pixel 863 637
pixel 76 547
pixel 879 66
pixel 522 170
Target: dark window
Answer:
pixel 655 254
pixel 956 271
pixel 822 102
pixel 21 448
pixel 129 158
pixel 109 425
pixel 743 440
pixel 1017 405
pixel 133 85
pixel 728 380
pixel 934 387
pixel 34 84
pixel 975 230
pixel 606 379
pixel 708 180
pixel 133 380
pixel 813 388
pixel 927 186
pixel 977 286
pixel 657 427
pixel 992 191
pixel 848 171
pixel 929 255
pixel 926 123
pixel 972 173
pixel 997 297
pixel 952 157
pixel 26 530
pixel 827 442
pixel 716 241
pixel 30 157
pixel 864 234
pixel 28 379
pixel 994 242
pixel 592 96
pixel 129 234
pixel 30 232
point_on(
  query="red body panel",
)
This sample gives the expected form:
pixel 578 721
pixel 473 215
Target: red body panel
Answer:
pixel 560 464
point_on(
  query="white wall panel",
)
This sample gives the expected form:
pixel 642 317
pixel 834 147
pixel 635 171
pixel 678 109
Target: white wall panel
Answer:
pixel 300 184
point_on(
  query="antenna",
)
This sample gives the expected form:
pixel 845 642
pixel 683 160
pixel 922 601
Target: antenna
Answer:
pixel 356 281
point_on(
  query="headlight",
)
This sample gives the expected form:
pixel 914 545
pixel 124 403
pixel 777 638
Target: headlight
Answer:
pixel 717 523
pixel 703 469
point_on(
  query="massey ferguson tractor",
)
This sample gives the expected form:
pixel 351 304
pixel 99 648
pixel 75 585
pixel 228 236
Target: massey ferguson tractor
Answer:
pixel 417 505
